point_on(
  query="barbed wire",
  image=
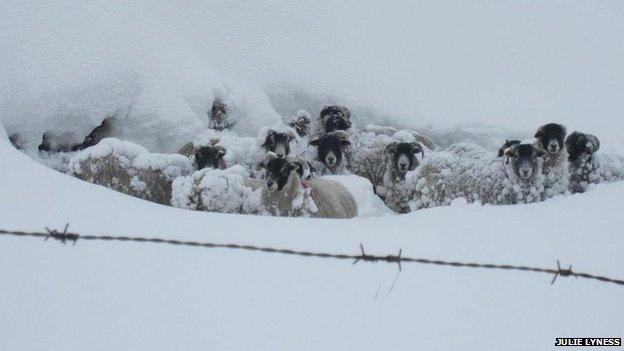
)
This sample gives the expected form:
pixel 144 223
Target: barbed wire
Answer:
pixel 66 236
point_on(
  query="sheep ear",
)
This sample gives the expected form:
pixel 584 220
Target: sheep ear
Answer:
pixel 540 132
pixel 315 142
pixel 565 130
pixel 345 142
pixel 260 166
pixel 291 136
pixel 346 112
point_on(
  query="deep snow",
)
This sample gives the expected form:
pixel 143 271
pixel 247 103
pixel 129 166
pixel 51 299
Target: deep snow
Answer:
pixel 131 296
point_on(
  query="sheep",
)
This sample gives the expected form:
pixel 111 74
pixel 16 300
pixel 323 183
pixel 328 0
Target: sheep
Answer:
pixel 209 156
pixel 468 171
pixel 218 117
pixel 333 153
pixel 130 169
pixel 586 166
pixel 333 118
pixel 300 122
pixel 405 134
pixel 278 142
pixel 550 138
pixel 285 194
pixel 384 160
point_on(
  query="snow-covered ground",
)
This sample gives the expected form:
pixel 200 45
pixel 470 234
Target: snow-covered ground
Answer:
pixel 103 296
pixel 479 71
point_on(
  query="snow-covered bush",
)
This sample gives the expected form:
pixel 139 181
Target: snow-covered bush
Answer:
pixel 468 171
pixel 130 169
pixel 216 190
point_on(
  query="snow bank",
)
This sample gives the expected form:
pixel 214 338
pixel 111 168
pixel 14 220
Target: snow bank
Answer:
pixel 3 133
pixel 368 204
pixel 60 290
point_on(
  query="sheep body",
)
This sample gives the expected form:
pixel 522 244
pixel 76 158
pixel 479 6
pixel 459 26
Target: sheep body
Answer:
pixel 556 173
pixel 594 169
pixel 323 199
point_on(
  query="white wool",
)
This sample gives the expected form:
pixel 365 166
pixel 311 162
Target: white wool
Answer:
pixel 597 168
pixel 214 190
pixel 556 171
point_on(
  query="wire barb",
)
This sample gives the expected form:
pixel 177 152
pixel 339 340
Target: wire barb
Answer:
pixel 62 236
pixel 563 272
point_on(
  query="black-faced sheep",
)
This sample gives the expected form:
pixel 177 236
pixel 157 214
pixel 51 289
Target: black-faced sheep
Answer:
pixel 333 118
pixel 208 156
pixel 300 122
pixel 586 166
pixel 218 116
pixel 332 153
pixel 278 142
pixel 285 194
pixel 384 160
pixel 550 139
pixel 468 171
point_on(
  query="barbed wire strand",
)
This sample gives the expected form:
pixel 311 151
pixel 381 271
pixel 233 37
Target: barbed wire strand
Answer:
pixel 65 236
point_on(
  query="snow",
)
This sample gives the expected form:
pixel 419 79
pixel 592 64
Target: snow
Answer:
pixel 144 296
pixel 368 204
pixel 457 71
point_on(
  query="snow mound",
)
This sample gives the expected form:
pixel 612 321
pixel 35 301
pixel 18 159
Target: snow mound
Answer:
pixel 368 204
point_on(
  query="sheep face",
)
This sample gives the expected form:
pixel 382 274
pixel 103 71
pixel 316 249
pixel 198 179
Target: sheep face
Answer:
pixel 335 118
pixel 551 137
pixel 210 157
pixel 331 147
pixel 278 171
pixel 278 143
pixel 404 156
pixel 508 144
pixel 577 144
pixel 524 159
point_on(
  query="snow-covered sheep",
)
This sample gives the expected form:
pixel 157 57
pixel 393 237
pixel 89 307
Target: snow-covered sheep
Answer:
pixel 465 170
pixel 216 190
pixel 588 167
pixel 332 118
pixel 300 122
pixel 209 156
pixel 385 160
pixel 333 153
pixel 219 119
pixel 285 194
pixel 550 138
pixel 130 169
pixel 278 142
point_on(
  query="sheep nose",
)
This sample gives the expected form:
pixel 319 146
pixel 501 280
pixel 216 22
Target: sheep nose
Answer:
pixel 269 183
